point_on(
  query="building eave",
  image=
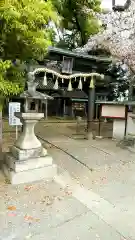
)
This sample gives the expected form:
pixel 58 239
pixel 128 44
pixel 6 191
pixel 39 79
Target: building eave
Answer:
pixel 53 50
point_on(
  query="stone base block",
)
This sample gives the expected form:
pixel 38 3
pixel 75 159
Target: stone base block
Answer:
pixel 33 163
pixel 23 154
pixel 118 129
pixel 31 175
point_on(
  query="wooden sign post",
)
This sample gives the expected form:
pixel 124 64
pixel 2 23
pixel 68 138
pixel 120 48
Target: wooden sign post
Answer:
pixel 13 120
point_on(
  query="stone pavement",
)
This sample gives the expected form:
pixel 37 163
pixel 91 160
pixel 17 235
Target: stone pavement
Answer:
pixel 106 184
pixel 92 197
pixel 48 211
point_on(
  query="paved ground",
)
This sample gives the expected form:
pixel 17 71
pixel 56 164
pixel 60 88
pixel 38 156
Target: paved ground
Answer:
pixel 46 211
pixel 92 197
pixel 106 182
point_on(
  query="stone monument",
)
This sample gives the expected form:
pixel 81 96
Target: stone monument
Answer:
pixel 27 160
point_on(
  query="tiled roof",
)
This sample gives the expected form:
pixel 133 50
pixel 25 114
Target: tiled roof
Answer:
pixel 75 54
pixel 56 95
pixel 35 95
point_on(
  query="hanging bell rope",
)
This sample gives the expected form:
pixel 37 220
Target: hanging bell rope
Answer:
pixel 70 86
pixel 38 70
pixel 45 80
pixel 56 85
pixel 80 84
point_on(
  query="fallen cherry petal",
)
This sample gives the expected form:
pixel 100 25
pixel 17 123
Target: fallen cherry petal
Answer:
pixel 37 219
pixel 60 198
pixel 27 188
pixel 11 214
pixel 28 218
pixel 68 193
pixel 49 203
pixel 11 208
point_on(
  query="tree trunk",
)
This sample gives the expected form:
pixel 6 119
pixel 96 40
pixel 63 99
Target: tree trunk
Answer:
pixel 0 133
pixel 1 126
pixel 83 40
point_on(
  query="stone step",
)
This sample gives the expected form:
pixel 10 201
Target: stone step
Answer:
pixel 19 166
pixel 32 175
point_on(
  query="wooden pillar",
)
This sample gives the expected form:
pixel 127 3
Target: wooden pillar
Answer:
pixel 37 105
pixel 91 105
pixel 41 106
pixel 46 108
pixel 105 120
pixel 72 109
pixel 96 106
pixel 64 109
pixel 97 112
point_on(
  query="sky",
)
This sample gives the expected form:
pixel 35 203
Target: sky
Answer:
pixel 108 3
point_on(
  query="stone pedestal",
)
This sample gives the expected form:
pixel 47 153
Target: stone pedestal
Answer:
pixel 118 129
pixel 27 160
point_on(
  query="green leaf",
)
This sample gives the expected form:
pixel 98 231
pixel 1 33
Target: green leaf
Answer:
pixel 77 17
pixel 24 34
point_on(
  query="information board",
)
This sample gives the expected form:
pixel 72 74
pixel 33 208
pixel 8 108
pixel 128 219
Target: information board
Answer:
pixel 113 111
pixel 13 108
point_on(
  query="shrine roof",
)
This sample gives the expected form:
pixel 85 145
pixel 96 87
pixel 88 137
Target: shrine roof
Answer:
pixel 35 95
pixel 59 51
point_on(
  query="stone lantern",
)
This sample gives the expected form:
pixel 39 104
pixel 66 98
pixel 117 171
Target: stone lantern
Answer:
pixel 27 160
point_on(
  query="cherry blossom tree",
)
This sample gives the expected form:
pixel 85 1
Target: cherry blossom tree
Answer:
pixel 118 35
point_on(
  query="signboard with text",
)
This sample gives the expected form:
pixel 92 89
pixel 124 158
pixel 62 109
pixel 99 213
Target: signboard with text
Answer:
pixel 113 111
pixel 13 108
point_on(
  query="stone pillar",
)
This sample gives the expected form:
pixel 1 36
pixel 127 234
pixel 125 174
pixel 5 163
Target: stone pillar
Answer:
pixel 28 139
pixel 27 160
pixel 26 105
